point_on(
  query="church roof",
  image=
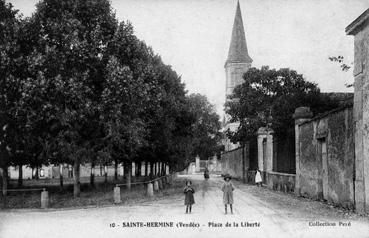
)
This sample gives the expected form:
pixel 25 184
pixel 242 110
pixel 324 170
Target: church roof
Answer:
pixel 238 49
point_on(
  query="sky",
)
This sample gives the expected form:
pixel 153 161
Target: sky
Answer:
pixel 193 36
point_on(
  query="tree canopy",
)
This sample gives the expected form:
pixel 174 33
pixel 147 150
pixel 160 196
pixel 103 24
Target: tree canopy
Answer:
pixel 78 86
pixel 269 97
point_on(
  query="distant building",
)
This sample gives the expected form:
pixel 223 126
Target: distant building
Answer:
pixel 237 63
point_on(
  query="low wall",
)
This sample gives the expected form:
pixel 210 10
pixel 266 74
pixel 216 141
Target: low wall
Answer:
pixel 277 181
pixel 281 181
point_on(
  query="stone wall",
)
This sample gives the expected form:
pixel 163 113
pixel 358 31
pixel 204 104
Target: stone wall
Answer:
pixel 232 162
pixel 326 157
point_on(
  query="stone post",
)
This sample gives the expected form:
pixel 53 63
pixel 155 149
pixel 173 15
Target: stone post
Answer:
pixel 359 28
pixel 269 136
pixel 301 115
pixel 265 162
pixel 44 199
pixel 197 168
pixel 150 190
pixel 170 177
pixel 261 135
pixel 269 157
pixel 129 176
pixel 117 198
pixel 156 185
pixel 160 184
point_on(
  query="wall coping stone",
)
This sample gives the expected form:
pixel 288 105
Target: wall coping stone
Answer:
pixel 265 131
pixel 327 113
pixel 278 173
pixel 358 23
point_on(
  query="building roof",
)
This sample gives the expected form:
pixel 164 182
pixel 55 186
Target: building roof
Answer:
pixel 358 23
pixel 238 48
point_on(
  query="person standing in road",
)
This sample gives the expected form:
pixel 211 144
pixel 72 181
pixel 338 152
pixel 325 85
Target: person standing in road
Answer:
pixel 227 189
pixel 258 179
pixel 189 199
pixel 206 173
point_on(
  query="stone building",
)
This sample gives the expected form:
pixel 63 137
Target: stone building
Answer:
pixel 360 30
pixel 237 63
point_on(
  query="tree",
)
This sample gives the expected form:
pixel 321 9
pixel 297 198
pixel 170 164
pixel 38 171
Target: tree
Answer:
pixel 268 97
pixel 206 129
pixel 66 70
pixel 11 59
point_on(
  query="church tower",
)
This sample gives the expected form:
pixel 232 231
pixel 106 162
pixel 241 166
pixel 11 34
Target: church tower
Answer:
pixel 237 63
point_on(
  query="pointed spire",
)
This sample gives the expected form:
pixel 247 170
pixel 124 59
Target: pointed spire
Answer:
pixel 238 49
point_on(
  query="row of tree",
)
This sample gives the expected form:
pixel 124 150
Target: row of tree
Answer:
pixel 77 86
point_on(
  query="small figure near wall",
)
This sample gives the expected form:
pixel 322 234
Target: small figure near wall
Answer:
pixel 189 199
pixel 258 179
pixel 206 173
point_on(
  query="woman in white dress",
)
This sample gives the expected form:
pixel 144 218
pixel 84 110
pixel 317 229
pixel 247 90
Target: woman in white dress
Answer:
pixel 258 179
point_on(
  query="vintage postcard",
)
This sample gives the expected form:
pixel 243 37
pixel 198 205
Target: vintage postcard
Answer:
pixel 184 118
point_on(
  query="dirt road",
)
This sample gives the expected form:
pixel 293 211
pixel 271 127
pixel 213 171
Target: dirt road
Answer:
pixel 258 212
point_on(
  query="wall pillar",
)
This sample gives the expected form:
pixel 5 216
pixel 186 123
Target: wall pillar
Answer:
pixel 269 150
pixel 261 135
pixel 301 115
pixel 265 161
pixel 360 30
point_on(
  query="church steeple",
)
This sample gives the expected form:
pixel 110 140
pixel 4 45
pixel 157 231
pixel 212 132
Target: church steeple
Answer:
pixel 238 61
pixel 238 48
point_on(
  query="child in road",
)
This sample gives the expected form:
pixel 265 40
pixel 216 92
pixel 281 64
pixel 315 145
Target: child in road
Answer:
pixel 189 200
pixel 227 189
pixel 258 179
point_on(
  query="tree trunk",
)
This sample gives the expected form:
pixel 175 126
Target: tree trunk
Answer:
pixel 77 185
pixel 116 169
pixel 154 165
pixel 92 175
pixel 5 180
pixel 20 176
pixel 61 178
pixel 36 174
pixel 100 170
pixel 138 169
pixel 125 170
pixel 129 175
pixel 106 174
pixel 146 168
pixel 151 169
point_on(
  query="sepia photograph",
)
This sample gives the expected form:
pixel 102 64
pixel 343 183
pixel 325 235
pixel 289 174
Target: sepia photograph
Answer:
pixel 184 118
